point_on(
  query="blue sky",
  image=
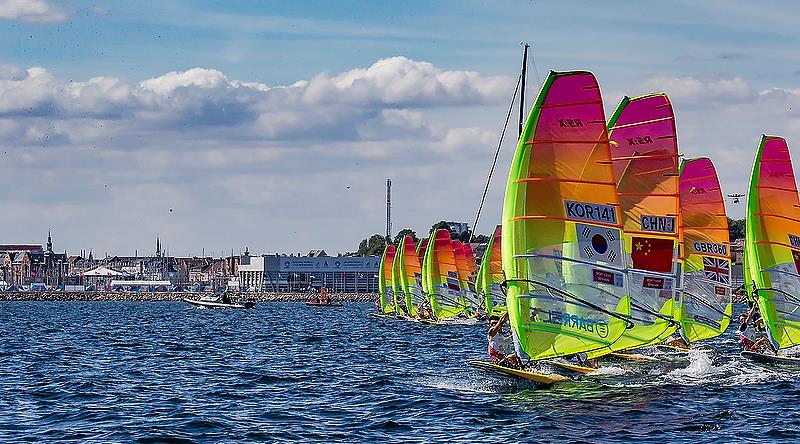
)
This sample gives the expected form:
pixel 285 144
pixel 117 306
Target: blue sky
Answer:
pixel 249 120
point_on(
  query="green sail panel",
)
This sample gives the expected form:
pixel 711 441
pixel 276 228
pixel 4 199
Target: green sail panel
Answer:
pixel 773 241
pixel 561 234
pixel 490 275
pixel 385 283
pixel 706 305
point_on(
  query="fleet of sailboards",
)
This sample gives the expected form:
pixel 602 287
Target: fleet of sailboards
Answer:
pixel 609 241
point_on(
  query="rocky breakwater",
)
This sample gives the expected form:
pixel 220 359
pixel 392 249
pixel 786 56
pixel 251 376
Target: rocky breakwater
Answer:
pixel 168 296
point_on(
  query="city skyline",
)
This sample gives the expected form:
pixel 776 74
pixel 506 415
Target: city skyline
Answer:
pixel 273 126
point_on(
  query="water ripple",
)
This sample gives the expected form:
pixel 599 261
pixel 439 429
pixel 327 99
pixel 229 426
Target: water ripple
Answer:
pixel 165 372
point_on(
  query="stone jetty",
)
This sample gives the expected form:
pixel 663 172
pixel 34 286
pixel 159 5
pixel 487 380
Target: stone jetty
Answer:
pixel 167 296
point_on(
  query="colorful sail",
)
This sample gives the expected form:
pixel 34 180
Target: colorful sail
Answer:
pixel 385 283
pixel 490 275
pixel 400 306
pixel 644 153
pixel 422 249
pixel 444 289
pixel 561 235
pixel 410 275
pixel 467 270
pixel 706 306
pixel 773 241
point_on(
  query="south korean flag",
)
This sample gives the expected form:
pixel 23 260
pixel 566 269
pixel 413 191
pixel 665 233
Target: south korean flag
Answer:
pixel 599 243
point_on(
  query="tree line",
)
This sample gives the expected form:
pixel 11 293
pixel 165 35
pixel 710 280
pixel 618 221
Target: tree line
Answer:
pixel 375 244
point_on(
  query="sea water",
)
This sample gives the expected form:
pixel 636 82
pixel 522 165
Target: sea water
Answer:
pixel 167 372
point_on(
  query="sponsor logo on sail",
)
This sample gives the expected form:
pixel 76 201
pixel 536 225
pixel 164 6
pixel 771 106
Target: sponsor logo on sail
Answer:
pixel 607 277
pixel 711 248
pixel 794 240
pixel 639 140
pixel 596 326
pixel 570 123
pixel 653 282
pixel 658 224
pixel 590 212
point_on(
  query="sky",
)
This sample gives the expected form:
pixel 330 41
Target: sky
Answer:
pixel 272 126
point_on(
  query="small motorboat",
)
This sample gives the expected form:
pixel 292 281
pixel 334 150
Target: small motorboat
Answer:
pixel 218 302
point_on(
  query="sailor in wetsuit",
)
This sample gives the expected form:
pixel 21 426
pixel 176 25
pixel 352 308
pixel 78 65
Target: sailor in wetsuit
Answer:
pixel 501 348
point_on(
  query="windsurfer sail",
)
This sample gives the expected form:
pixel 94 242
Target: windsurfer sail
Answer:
pixel 561 235
pixel 706 305
pixel 773 242
pixel 443 287
pixel 409 275
pixel 385 284
pixel 644 154
pixel 490 275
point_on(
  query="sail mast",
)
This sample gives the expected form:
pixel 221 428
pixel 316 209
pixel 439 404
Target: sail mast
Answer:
pixel 524 75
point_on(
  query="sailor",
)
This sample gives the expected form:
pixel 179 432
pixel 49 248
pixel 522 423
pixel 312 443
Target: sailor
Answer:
pixel 758 346
pixel 584 361
pixel 501 351
pixel 677 341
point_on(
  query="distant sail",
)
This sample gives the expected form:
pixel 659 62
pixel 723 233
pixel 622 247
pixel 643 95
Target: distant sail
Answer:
pixel 443 287
pixel 644 153
pixel 773 241
pixel 561 235
pixel 490 274
pixel 422 249
pixel 467 270
pixel 400 306
pixel 706 305
pixel 385 284
pixel 410 275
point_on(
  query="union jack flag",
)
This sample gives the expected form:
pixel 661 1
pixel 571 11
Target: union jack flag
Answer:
pixel 717 270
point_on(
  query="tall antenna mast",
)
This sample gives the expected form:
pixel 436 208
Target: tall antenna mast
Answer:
pixel 522 113
pixel 388 210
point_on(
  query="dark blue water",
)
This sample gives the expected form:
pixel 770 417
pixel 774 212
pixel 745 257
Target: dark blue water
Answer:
pixel 165 372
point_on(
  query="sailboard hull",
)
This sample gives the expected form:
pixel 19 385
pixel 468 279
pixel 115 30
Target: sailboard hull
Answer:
pixel 505 372
pixel 572 367
pixel 771 359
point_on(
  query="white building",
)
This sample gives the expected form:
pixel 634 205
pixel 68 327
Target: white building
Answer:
pixel 251 273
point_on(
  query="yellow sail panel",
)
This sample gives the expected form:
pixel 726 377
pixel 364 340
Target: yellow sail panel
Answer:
pixel 561 234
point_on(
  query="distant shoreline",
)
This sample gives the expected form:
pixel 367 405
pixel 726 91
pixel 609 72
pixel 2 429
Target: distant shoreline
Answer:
pixel 155 297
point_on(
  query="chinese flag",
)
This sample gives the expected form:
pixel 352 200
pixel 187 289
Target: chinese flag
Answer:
pixel 796 257
pixel 652 254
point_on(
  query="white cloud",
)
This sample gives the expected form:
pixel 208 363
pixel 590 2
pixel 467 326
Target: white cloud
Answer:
pixel 703 90
pixel 31 11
